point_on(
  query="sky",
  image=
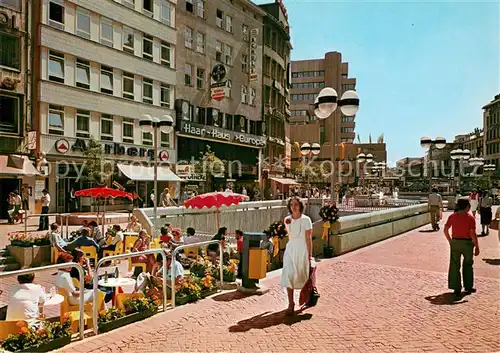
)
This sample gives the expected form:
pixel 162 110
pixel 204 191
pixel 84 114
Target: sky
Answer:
pixel 423 68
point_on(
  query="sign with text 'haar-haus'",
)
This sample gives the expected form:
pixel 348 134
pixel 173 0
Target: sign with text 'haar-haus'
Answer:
pixel 254 32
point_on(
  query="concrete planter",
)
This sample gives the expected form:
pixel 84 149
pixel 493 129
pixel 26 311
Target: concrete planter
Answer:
pixel 33 256
pixel 126 320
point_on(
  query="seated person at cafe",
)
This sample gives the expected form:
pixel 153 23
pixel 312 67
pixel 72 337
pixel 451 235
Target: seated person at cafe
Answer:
pixel 152 285
pixel 267 244
pixel 56 238
pixel 25 300
pixel 142 244
pixel 164 236
pixel 134 225
pixel 83 240
pixel 80 258
pixel 191 238
pixel 85 224
pixel 177 238
pixel 116 239
pixel 64 281
pixel 178 273
pixel 96 234
pixel 213 249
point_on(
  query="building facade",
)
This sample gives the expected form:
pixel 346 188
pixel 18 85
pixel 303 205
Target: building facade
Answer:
pixel 102 65
pixel 474 142
pixel 309 77
pixel 17 172
pixel 219 88
pixel 277 82
pixel 491 127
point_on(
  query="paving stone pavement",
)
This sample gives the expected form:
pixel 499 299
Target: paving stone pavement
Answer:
pixel 389 297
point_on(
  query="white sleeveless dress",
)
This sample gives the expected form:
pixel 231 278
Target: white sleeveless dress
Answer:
pixel 296 259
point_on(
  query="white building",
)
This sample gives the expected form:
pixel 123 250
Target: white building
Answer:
pixel 103 64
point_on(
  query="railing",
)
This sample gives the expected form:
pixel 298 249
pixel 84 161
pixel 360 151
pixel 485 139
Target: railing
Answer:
pixel 66 215
pixel 58 266
pixel 193 245
pixel 126 256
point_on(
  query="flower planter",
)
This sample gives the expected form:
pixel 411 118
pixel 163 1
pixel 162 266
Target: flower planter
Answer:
pixel 181 300
pixel 128 319
pixel 229 278
pixel 208 292
pixel 49 346
pixel 32 256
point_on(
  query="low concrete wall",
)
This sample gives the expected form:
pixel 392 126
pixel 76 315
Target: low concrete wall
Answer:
pixel 356 231
pixel 247 216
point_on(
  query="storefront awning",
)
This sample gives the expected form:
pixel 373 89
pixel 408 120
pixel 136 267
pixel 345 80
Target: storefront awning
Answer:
pixel 285 181
pixel 143 173
pixel 17 166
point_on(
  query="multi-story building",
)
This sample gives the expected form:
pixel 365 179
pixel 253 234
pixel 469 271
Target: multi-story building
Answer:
pixel 276 107
pixel 219 87
pixel 474 142
pixel 17 172
pixel 100 66
pixel 309 77
pixel 491 127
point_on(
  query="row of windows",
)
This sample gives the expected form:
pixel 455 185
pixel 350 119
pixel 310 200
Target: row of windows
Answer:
pixel 308 74
pixel 57 73
pixel 273 97
pixel 344 140
pixel 213 117
pixel 347 119
pixel 304 97
pixel 196 7
pixel 274 70
pixel 493 148
pixel 273 40
pixel 492 134
pixel 308 85
pixel 493 119
pixel 348 87
pixel 131 38
pixel 57 118
pixel 299 113
pixel 346 129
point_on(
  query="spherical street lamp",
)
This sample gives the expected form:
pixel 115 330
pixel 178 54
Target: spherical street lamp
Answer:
pixel 305 149
pixel 426 142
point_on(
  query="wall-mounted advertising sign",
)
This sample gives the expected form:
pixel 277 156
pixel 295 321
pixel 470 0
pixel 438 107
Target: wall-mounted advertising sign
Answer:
pixel 254 32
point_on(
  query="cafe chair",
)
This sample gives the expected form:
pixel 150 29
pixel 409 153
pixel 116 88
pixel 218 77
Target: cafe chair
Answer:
pixel 129 242
pixel 121 298
pixel 54 254
pixel 131 265
pixel 118 250
pixel 10 328
pixel 90 252
pixel 191 252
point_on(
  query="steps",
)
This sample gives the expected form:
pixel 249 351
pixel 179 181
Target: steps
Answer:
pixel 7 262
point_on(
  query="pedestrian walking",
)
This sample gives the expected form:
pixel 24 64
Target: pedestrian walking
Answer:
pixel 298 253
pixel 485 211
pixel 463 242
pixel 435 205
pixel 44 220
pixel 72 200
pixel 474 202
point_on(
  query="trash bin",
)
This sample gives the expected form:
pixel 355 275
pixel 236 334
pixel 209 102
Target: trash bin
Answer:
pixel 253 259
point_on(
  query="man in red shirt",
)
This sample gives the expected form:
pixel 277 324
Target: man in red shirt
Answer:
pixel 462 241
pixel 239 248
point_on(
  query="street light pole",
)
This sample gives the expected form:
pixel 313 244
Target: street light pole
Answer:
pixel 309 150
pixel 461 155
pixel 324 106
pixel 427 143
pixel 153 125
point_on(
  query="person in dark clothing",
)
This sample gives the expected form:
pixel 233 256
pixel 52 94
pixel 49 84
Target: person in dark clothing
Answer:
pixel 213 249
pixel 83 240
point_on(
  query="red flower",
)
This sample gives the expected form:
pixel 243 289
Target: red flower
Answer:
pixel 288 221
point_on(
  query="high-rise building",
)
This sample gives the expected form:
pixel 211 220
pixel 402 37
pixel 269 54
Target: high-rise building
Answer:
pixel 100 67
pixel 276 105
pixel 309 77
pixel 219 88
pixel 491 127
pixel 17 171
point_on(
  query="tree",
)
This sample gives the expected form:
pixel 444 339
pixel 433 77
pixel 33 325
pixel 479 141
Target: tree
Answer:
pixel 96 170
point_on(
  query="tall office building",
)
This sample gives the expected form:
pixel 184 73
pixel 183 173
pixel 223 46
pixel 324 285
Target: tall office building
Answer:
pixel 219 89
pixel 100 66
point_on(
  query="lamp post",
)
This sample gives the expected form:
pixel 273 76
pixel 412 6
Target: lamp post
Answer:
pixel 309 150
pixel 460 155
pixel 151 125
pixel 324 105
pixel 490 169
pixel 427 143
pixel 362 158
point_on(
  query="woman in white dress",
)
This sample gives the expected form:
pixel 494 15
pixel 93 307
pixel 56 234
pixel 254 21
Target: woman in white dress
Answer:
pixel 298 253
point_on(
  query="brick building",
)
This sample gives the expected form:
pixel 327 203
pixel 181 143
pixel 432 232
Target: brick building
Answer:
pixel 491 126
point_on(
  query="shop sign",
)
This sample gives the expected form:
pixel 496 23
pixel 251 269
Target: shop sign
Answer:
pixel 63 146
pixel 187 172
pixel 288 153
pixel 254 32
pixel 211 132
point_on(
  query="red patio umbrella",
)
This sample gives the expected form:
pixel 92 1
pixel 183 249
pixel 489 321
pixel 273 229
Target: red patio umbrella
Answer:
pixel 105 193
pixel 215 199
